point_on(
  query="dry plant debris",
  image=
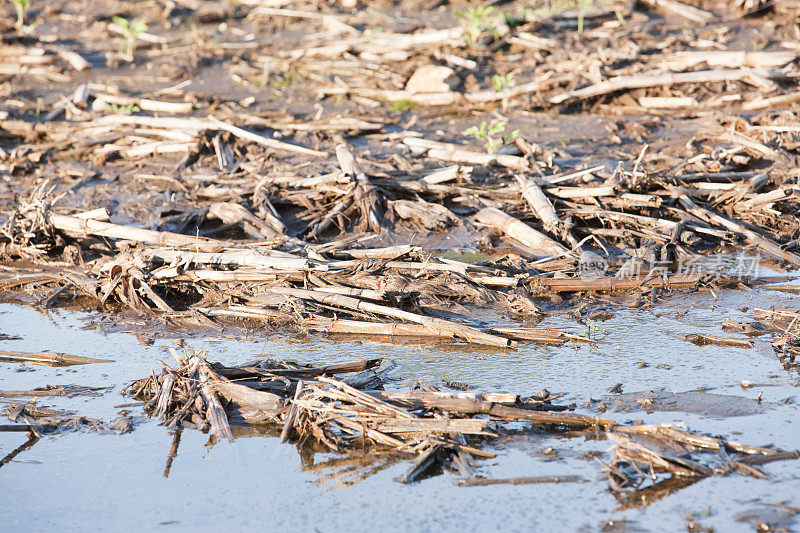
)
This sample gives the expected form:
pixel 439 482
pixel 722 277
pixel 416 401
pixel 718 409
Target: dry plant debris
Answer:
pixel 315 405
pixel 197 208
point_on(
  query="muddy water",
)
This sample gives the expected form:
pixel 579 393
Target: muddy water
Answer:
pixel 113 482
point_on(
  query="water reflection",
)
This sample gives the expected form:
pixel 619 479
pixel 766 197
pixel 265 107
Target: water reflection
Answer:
pixel 33 438
pixel 634 499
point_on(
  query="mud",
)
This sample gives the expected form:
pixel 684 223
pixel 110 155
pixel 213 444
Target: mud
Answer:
pixel 698 402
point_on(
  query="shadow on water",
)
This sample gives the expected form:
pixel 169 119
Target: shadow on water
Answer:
pixel 25 446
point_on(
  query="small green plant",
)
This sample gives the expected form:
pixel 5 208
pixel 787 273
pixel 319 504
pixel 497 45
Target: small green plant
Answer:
pixel 508 137
pixel 486 133
pixel 477 21
pixel 516 19
pixel 481 134
pixel 286 80
pixel 593 331
pixel 583 5
pixel 20 6
pixel 130 31
pixel 124 109
pixel 373 32
pixel 401 106
pixel 556 7
pixel 502 82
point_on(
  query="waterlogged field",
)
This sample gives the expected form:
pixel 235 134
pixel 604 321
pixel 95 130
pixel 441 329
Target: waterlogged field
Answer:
pixel 549 220
pixel 154 479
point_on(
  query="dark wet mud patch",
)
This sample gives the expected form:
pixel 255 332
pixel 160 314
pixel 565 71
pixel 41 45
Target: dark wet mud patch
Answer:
pixel 696 402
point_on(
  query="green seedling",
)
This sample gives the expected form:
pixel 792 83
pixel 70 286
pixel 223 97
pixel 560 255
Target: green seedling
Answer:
pixel 516 19
pixel 373 32
pixel 593 331
pixel 124 109
pixel 477 21
pixel 486 134
pixel 20 6
pixel 508 137
pixel 560 6
pixel 130 31
pixel 502 82
pixel 583 5
pixel 480 133
pixel 401 106
pixel 286 80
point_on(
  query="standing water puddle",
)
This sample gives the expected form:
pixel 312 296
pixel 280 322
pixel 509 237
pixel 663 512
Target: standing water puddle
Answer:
pixel 114 480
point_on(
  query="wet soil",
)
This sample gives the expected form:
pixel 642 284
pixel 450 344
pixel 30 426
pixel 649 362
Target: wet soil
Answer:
pixel 221 59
